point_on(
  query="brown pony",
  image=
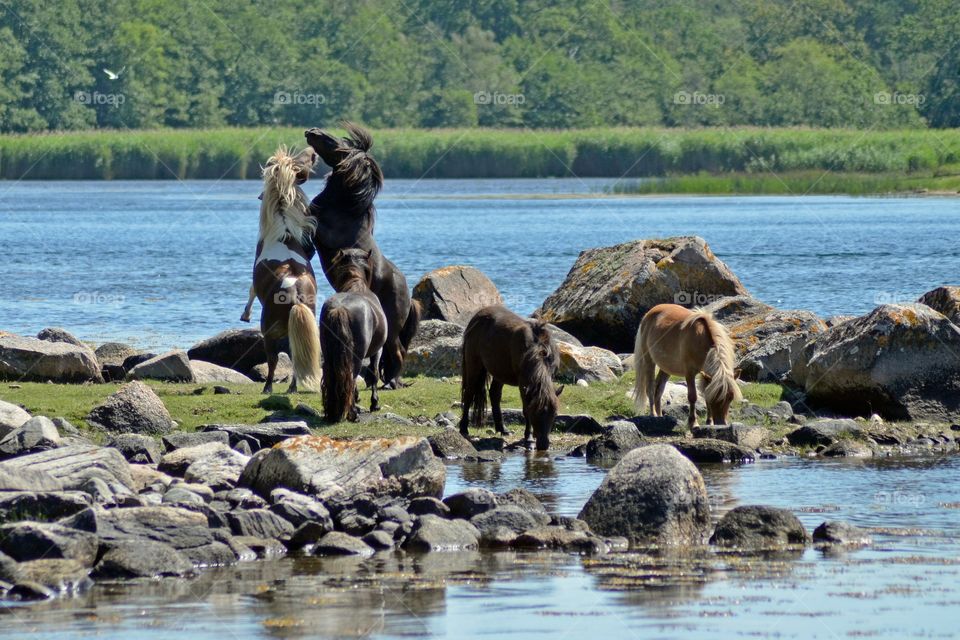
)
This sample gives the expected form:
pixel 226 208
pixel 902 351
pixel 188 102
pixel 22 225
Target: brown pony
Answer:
pixel 283 278
pixel 515 351
pixel 684 343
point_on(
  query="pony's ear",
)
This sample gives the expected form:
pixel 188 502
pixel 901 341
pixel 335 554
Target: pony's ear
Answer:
pixel 560 389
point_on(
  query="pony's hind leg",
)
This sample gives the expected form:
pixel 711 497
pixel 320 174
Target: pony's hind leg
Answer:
pixel 661 385
pixel 247 310
pixel 270 346
pixel 653 383
pixel 692 399
pixel 375 368
pixel 496 393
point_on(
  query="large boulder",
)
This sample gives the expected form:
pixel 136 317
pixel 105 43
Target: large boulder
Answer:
pixel 11 417
pixel 899 360
pixel 653 496
pixel 455 293
pixel 759 527
pixel 609 289
pixel 768 344
pixel 73 466
pixel 593 364
pixel 946 300
pixel 238 349
pixel 184 530
pixel 133 408
pixel 326 468
pixel 40 360
pixel 114 353
pixel 172 366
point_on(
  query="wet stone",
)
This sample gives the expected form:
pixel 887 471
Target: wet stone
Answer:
pixel 471 502
pixel 337 543
pixel 428 506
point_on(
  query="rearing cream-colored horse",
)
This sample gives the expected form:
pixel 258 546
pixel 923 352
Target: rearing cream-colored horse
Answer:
pixel 684 343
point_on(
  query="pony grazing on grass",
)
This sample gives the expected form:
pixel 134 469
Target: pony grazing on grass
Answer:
pixel 510 350
pixel 283 279
pixel 345 218
pixel 352 327
pixel 684 343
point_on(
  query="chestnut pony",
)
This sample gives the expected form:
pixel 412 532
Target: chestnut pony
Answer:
pixel 684 343
pixel 510 350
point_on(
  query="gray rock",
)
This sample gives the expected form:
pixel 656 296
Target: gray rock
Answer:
pixel 299 509
pixel 428 505
pixel 609 288
pixel 508 517
pixel 528 502
pixel 207 372
pixel 429 331
pixel 19 479
pixel 822 432
pixel 307 535
pixel 707 450
pixel 51 576
pixel 42 506
pixel 847 449
pixel 259 523
pixel 336 543
pixel 259 436
pixel 554 537
pixel 114 353
pixel 239 349
pixel 448 443
pixel 455 293
pixel 432 533
pixel 620 438
pixel 438 358
pixel 56 334
pixel 833 532
pixel 945 300
pixel 183 439
pixel 133 408
pixel 36 434
pixel 110 494
pixel 219 470
pixel 592 364
pixel 172 366
pixel 72 466
pixel 581 425
pixel 326 468
pixel 754 527
pixel 30 359
pixel 768 345
pixel 282 373
pixel 137 448
pixel 750 438
pixel 379 540
pixel 184 530
pixel 264 548
pixel 733 310
pixel 127 559
pixel 11 417
pixel 179 496
pixel 654 495
pixel 177 462
pixel 24 541
pixel 656 425
pixel 471 502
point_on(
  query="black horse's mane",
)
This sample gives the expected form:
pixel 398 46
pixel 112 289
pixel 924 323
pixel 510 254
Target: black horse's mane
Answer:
pixel 357 179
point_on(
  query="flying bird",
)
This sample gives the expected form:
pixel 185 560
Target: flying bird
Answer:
pixel 113 76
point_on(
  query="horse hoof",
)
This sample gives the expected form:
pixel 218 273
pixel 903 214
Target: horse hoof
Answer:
pixel 244 318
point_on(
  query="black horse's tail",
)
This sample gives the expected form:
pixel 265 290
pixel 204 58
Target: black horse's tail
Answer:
pixel 338 385
pixel 409 330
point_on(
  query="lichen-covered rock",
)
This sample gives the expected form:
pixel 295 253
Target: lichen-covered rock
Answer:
pixel 946 300
pixel 455 293
pixel 732 310
pixel 439 357
pixel 32 359
pixel 133 408
pixel 768 344
pixel 755 526
pixel 327 468
pixel 219 470
pixel 653 496
pixel 172 366
pixel 899 360
pixel 608 290
pixel 593 364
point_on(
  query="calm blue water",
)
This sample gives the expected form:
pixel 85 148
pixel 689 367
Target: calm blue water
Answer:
pixel 162 264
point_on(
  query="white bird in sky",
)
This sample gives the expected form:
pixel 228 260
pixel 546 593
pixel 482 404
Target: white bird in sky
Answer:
pixel 112 75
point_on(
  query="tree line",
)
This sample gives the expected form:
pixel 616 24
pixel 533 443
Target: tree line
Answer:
pixel 870 64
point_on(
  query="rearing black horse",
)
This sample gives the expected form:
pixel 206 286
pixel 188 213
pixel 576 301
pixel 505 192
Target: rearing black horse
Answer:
pixel 345 219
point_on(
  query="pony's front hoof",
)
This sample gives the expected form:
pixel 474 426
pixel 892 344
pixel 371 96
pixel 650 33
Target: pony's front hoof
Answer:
pixel 374 406
pixel 245 317
pixel 267 390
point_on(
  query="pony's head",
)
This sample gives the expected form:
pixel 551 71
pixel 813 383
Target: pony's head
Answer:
pixel 540 362
pixel 283 208
pixel 355 171
pixel 350 267
pixel 720 387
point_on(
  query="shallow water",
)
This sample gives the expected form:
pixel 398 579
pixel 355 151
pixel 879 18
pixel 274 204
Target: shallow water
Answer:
pixel 163 264
pixel 905 585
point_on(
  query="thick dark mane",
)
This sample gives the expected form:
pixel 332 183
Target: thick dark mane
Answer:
pixel 356 180
pixel 539 363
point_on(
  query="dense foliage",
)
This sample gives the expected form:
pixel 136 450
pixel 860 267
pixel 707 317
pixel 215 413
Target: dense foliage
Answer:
pixel 495 63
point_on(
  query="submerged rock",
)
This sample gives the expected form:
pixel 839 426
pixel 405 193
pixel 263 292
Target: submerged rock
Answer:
pixel 432 533
pixel 834 532
pixel 336 543
pixel 652 496
pixel 759 527
pixel 141 559
pixel 706 450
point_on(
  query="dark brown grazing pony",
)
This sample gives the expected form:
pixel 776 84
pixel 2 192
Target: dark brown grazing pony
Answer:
pixel 345 218
pixel 515 351
pixel 352 328
pixel 283 278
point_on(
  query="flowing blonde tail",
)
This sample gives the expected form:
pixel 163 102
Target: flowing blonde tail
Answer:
pixel 305 347
pixel 719 363
pixel 643 370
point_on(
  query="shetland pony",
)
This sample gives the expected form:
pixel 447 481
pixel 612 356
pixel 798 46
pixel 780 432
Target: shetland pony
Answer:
pixel 684 343
pixel 510 350
pixel 345 218
pixel 283 279
pixel 352 327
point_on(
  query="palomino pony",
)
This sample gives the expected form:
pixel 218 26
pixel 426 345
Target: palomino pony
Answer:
pixel 352 327
pixel 283 279
pixel 684 343
pixel 345 218
pixel 515 351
